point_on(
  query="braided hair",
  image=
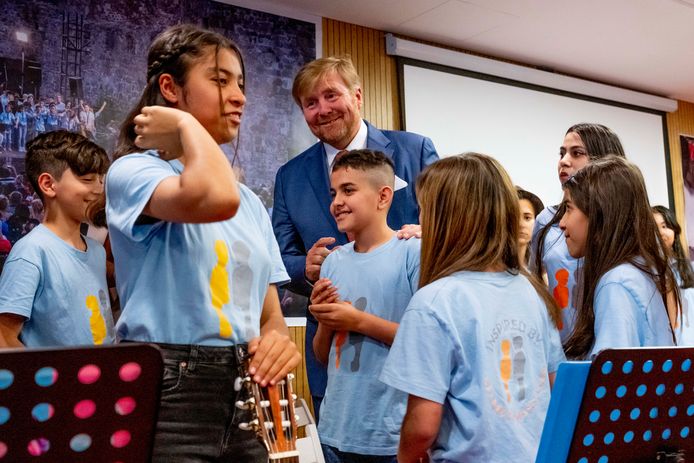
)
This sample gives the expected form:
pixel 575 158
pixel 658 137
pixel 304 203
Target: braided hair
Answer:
pixel 172 52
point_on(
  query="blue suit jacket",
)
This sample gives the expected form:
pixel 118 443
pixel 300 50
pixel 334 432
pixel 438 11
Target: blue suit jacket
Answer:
pixel 301 210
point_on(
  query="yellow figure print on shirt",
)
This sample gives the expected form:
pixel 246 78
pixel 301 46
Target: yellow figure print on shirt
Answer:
pixel 97 324
pixel 219 287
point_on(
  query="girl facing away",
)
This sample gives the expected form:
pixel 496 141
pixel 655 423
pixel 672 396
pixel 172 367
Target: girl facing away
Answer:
pixel 671 236
pixel 477 348
pixel 195 257
pixel 629 296
pixel 583 143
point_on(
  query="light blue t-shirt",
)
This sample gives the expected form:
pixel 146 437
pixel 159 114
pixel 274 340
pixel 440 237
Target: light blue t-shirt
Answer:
pixel 482 345
pixel 360 414
pixel 185 283
pixel 61 291
pixel 561 268
pixel 629 311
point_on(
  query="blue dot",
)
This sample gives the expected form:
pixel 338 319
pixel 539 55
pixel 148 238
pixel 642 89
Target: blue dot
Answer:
pixel 80 442
pixel 4 415
pixel 690 410
pixel 606 368
pixel 600 392
pixel 653 413
pixel 635 413
pixel 686 365
pixel 46 376
pixel 588 440
pixel 583 460
pixel 647 435
pixel 614 415
pixel 679 389
pixel 603 459
pixel 660 390
pixel 666 433
pixel 6 379
pixel 628 367
pixel 594 416
pixel 621 391
pixel 685 431
pixel 672 412
pixel 647 366
pixel 667 366
pixel 609 438
pixel 628 436
pixel 641 390
pixel 42 412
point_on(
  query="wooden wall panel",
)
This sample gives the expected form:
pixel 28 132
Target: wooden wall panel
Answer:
pixel 301 389
pixel 681 122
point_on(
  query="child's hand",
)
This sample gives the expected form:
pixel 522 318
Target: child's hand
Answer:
pixel 324 292
pixel 158 127
pixel 337 315
pixel 274 356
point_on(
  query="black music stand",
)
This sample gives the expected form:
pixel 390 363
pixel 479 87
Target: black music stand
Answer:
pixel 80 404
pixel 634 405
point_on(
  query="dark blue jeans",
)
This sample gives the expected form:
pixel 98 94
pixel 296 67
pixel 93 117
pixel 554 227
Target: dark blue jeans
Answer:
pixel 333 455
pixel 198 419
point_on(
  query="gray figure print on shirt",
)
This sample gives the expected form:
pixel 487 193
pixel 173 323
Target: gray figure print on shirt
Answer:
pixel 519 367
pixel 357 339
pixel 241 282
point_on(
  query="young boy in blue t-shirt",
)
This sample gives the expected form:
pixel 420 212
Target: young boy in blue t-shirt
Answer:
pixel 364 289
pixel 53 289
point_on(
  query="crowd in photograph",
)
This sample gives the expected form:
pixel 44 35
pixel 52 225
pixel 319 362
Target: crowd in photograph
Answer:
pixel 23 117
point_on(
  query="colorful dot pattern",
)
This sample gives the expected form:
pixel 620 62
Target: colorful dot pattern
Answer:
pixel 636 402
pixel 79 405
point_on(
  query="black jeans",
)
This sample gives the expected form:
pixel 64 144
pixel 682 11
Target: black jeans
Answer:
pixel 333 455
pixel 198 419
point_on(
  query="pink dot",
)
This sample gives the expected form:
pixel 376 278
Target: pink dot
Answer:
pixel 38 446
pixel 89 374
pixel 125 406
pixel 130 372
pixel 3 449
pixel 120 438
pixel 85 408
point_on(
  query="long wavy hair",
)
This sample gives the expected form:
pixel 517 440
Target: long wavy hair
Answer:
pixel 600 141
pixel 621 229
pixel 469 218
pixel 684 267
pixel 174 52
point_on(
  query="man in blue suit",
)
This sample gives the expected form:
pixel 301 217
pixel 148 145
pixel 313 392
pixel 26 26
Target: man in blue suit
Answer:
pixel 328 91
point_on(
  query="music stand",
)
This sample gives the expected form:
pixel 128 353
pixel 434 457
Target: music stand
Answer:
pixel 79 404
pixel 633 405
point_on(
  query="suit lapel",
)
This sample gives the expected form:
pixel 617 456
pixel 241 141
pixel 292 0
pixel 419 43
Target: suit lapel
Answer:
pixel 376 140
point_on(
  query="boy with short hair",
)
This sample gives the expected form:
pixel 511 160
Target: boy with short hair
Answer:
pixel 53 288
pixel 364 289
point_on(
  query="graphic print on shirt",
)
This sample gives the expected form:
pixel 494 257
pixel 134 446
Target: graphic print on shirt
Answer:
pixel 355 339
pixel 219 287
pixel 242 282
pixel 97 324
pixel 561 292
pixel 513 388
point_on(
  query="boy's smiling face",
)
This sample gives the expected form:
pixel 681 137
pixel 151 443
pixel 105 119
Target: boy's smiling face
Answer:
pixel 355 202
pixel 73 193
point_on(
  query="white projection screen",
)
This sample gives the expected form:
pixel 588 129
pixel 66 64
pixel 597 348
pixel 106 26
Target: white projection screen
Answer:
pixel 524 127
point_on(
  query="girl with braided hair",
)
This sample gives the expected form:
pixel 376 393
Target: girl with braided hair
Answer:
pixel 176 213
